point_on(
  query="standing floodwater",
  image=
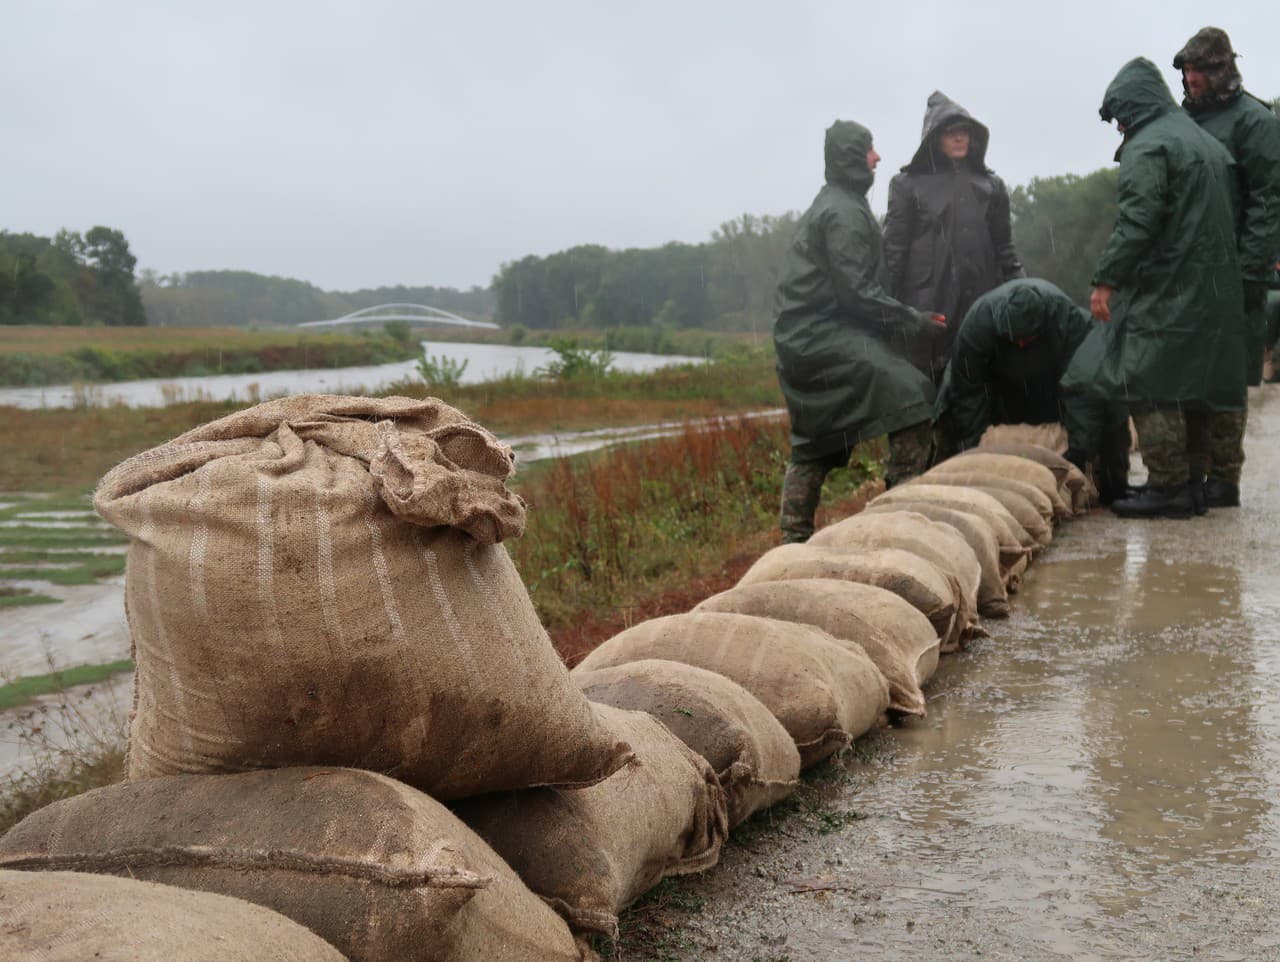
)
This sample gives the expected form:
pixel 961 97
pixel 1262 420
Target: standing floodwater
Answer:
pixel 1100 779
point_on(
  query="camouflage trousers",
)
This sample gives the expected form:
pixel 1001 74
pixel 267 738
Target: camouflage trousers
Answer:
pixel 909 451
pixel 1179 445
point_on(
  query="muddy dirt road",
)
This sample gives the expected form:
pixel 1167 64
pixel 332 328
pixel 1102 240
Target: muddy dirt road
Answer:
pixel 1100 779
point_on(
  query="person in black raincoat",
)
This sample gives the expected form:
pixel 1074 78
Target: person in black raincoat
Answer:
pixel 1168 285
pixel 839 338
pixel 1247 127
pixel 947 235
pixel 1010 352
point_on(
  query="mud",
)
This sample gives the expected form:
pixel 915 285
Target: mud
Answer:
pixel 1099 779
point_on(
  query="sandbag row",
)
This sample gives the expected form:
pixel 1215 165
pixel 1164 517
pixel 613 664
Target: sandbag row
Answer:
pixel 319 599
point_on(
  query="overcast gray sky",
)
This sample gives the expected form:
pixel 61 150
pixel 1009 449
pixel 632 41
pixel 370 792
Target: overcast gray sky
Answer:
pixel 388 141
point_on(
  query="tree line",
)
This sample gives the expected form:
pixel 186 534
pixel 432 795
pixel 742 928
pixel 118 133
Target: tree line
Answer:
pixel 69 279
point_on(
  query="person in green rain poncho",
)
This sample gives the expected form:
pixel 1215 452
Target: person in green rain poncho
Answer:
pixel 840 339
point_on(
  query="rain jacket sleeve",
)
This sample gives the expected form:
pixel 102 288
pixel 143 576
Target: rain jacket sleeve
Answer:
pixel 967 400
pixel 851 258
pixel 1000 226
pixel 1259 159
pixel 1141 197
pixel 899 228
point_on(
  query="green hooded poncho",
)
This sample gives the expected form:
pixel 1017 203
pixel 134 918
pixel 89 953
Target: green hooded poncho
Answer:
pixel 1010 351
pixel 838 333
pixel 1177 331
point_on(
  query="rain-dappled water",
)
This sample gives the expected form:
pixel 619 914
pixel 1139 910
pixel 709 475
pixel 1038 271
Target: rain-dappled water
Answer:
pixel 484 362
pixel 1100 779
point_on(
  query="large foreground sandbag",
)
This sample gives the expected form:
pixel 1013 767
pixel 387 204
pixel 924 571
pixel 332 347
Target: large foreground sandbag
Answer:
pixel 896 637
pixel 1074 487
pixel 1012 468
pixel 752 755
pixel 372 866
pixel 73 917
pixel 993 596
pixel 994 484
pixel 316 580
pixel 1005 525
pixel 1051 436
pixel 590 852
pixel 824 694
pixel 908 531
pixel 915 580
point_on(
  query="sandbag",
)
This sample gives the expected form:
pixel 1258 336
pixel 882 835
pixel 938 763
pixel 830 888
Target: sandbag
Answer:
pixel 909 576
pixel 316 580
pixel 1073 486
pixel 1013 468
pixel 752 755
pixel 1006 526
pixel 915 533
pixel 993 597
pixel 824 694
pixel 895 636
pixel 374 867
pixel 986 481
pixel 1052 436
pixel 590 852
pixel 1016 503
pixel 71 917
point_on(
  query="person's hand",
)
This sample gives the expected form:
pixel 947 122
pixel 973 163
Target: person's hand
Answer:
pixel 1100 302
pixel 939 319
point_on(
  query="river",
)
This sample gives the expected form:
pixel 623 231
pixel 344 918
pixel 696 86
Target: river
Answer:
pixel 484 362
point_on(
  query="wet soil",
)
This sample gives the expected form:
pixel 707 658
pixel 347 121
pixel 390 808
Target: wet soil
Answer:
pixel 1099 779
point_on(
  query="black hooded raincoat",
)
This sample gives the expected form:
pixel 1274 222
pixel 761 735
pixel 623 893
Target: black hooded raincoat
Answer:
pixel 947 236
pixel 1176 337
pixel 838 333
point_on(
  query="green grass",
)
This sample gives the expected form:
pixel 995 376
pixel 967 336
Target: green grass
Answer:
pixel 21 597
pixel 54 554
pixel 82 573
pixel 27 689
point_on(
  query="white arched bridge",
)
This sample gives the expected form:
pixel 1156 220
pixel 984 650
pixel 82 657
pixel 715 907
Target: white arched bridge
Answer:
pixel 419 313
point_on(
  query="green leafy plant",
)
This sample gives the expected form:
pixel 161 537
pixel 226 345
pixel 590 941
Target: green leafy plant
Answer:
pixel 441 371
pixel 575 362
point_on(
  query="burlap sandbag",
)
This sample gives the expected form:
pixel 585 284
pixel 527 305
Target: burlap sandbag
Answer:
pixel 993 597
pixel 73 917
pixel 824 694
pixel 752 755
pixel 1005 525
pixel 1017 503
pixel 915 580
pixel 372 866
pixel 1013 468
pixel 590 852
pixel 985 481
pixel 316 581
pixel 1051 436
pixel 913 532
pixel 1073 486
pixel 895 636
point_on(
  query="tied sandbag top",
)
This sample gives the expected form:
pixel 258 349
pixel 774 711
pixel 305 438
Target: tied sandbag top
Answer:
pixel 431 465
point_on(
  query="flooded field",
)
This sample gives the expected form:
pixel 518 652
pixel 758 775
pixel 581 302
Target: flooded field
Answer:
pixel 1100 779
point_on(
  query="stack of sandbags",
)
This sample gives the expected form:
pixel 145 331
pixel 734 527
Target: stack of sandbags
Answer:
pixel 754 758
pixel 1052 437
pixel 825 694
pixel 913 532
pixel 376 868
pixel 320 581
pixel 930 591
pixel 897 638
pixel 1026 477
pixel 1074 486
pixel 71 917
pixel 591 852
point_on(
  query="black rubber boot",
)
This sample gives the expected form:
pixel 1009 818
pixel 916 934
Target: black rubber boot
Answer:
pixel 1199 502
pixel 1221 494
pixel 1174 501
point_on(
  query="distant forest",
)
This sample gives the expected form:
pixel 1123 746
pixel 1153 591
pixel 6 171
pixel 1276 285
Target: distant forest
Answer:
pixel 242 298
pixel 69 279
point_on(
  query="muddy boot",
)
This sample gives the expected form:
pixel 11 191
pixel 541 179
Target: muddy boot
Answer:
pixel 1221 494
pixel 1174 501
